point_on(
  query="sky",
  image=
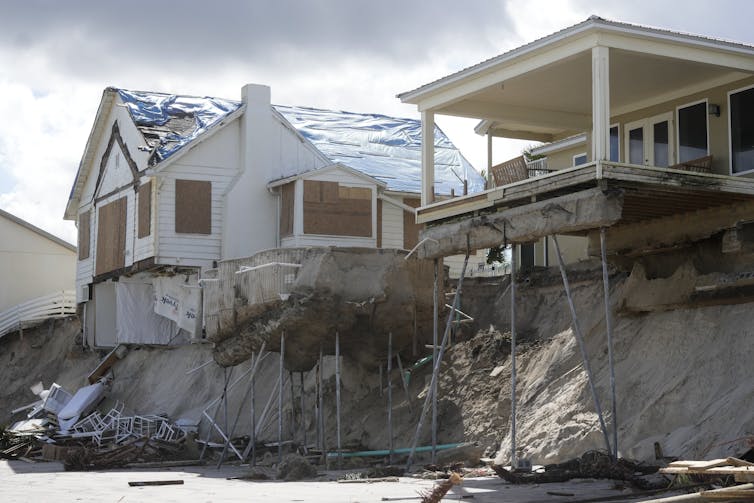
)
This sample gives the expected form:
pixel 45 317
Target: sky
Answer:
pixel 56 58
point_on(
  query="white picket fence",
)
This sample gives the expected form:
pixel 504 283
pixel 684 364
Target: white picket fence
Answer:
pixel 57 305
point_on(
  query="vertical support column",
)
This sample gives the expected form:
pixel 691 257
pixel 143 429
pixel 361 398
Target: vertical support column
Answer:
pixel 303 417
pixel 488 181
pixel 435 311
pixel 253 439
pixel 281 379
pixel 609 330
pixel 514 465
pixel 600 103
pixel 337 397
pixel 390 397
pixel 580 339
pixel 428 157
pixel 321 412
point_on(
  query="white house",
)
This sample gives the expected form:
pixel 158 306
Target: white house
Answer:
pixel 33 264
pixel 169 185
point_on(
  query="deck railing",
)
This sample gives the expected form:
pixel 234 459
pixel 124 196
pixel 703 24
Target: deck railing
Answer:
pixel 57 305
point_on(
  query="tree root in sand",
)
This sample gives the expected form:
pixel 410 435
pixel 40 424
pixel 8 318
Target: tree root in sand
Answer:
pixel 593 464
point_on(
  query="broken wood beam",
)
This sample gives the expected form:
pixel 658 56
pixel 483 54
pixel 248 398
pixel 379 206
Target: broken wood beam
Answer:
pixel 577 212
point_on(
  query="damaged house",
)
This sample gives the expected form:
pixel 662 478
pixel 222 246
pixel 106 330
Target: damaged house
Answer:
pixel 169 186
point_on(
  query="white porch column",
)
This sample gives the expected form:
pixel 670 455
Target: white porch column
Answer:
pixel 487 183
pixel 600 103
pixel 428 157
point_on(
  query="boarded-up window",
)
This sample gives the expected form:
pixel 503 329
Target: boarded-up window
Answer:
pixel 193 207
pixel 287 197
pixel 84 234
pixel 111 236
pixel 410 227
pixel 145 209
pixel 336 210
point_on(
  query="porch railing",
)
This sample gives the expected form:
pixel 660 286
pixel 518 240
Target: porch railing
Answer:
pixel 57 305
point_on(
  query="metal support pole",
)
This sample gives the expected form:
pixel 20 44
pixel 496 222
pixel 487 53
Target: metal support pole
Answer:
pixel 514 464
pixel 436 368
pixel 280 398
pixel 390 397
pixel 435 314
pixel 337 397
pixel 404 381
pixel 580 339
pixel 609 329
pixel 303 419
pixel 293 407
pixel 380 380
pixel 321 412
pixel 217 409
pixel 253 422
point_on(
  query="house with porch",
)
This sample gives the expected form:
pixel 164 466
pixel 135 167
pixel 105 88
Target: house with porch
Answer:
pixel 650 128
pixel 170 185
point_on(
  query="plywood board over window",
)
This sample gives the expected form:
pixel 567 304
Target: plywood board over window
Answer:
pixel 111 236
pixel 337 210
pixel 193 207
pixel 287 198
pixel 410 227
pixel 84 234
pixel 145 209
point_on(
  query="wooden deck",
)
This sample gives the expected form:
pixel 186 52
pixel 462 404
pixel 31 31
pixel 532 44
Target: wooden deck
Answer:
pixel 642 207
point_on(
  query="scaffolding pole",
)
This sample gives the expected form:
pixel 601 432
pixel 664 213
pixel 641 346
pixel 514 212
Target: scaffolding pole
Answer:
pixel 337 398
pixel 390 397
pixel 320 412
pixel 514 464
pixel 580 339
pixel 303 419
pixel 435 314
pixel 280 398
pixel 217 409
pixel 436 368
pixel 609 330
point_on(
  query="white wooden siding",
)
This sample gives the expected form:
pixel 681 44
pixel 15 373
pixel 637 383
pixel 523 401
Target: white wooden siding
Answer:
pixel 294 155
pixel 117 172
pixel 392 225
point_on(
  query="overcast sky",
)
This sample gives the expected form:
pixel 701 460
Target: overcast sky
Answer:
pixel 57 57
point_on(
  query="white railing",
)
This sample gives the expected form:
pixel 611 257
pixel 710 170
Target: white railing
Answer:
pixel 57 305
pixel 537 167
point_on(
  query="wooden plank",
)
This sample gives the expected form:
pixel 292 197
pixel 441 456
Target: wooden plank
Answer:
pixel 588 209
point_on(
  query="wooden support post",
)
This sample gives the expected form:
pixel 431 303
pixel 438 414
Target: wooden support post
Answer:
pixel 514 464
pixel 390 397
pixel 293 407
pixel 609 330
pixel 600 103
pixel 337 398
pixel 253 439
pixel 380 381
pixel 580 339
pixel 436 368
pixel 435 314
pixel 280 398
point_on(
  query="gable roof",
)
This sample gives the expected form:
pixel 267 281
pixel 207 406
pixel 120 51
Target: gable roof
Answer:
pixel 385 148
pixel 170 121
pixel 37 230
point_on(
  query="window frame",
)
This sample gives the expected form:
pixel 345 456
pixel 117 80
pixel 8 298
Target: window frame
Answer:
pixel 616 125
pixel 678 126
pixel 730 132
pixel 582 154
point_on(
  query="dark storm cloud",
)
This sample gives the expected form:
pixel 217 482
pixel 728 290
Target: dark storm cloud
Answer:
pixel 91 38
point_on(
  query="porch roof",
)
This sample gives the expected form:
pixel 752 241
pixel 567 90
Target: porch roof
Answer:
pixel 542 91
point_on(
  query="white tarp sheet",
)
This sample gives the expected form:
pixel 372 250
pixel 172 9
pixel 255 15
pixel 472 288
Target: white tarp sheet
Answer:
pixel 179 301
pixel 137 322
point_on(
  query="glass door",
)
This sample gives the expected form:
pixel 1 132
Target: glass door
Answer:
pixel 649 142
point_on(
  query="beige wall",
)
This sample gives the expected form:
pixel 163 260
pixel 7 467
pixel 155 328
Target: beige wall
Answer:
pixel 31 265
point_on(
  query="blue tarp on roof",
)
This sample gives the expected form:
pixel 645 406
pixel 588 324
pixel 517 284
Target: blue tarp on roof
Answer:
pixel 168 121
pixel 385 148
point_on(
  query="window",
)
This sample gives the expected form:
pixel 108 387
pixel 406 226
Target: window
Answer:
pixel 579 159
pixel 337 210
pixel 84 234
pixel 692 132
pixel 145 209
pixel 614 144
pixel 193 207
pixel 287 202
pixel 742 131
